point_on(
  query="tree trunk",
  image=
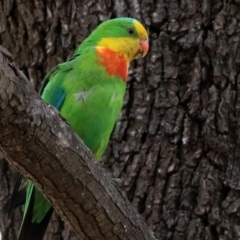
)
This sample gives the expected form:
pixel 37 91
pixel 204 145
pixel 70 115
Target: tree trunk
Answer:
pixel 175 146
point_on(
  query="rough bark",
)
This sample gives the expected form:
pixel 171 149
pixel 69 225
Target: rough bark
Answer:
pixel 176 144
pixel 43 147
pixel 9 227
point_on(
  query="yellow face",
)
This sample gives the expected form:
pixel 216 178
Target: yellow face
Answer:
pixel 142 32
pixel 130 47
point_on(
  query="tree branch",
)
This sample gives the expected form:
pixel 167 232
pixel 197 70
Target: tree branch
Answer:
pixel 35 139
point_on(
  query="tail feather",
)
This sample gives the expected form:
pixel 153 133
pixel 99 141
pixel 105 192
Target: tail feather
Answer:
pixel 31 228
pixel 18 197
pixel 34 231
pixel 18 201
pixel 37 210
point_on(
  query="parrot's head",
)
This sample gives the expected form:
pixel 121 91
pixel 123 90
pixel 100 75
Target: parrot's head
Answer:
pixel 123 35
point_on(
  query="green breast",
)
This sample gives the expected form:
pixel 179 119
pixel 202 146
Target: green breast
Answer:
pixel 92 99
pixel 93 112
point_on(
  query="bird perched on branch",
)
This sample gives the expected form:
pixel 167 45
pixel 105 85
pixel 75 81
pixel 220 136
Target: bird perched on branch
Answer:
pixel 88 90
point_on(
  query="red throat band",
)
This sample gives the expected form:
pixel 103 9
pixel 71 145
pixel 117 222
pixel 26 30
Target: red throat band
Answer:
pixel 115 63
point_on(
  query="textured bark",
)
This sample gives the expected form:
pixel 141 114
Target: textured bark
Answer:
pixel 37 142
pixel 176 144
pixel 9 227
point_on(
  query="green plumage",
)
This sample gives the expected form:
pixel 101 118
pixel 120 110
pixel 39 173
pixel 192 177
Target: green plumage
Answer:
pixel 90 99
pixel 91 103
pixel 93 99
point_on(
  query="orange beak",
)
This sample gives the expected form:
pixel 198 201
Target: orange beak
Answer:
pixel 144 46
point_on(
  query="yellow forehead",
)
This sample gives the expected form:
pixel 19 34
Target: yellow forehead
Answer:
pixel 140 29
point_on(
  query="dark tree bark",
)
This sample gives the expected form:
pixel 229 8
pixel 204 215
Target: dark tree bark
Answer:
pixel 176 144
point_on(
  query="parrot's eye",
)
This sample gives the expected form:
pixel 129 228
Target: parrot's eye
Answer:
pixel 130 31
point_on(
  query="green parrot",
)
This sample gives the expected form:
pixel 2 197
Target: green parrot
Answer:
pixel 88 90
